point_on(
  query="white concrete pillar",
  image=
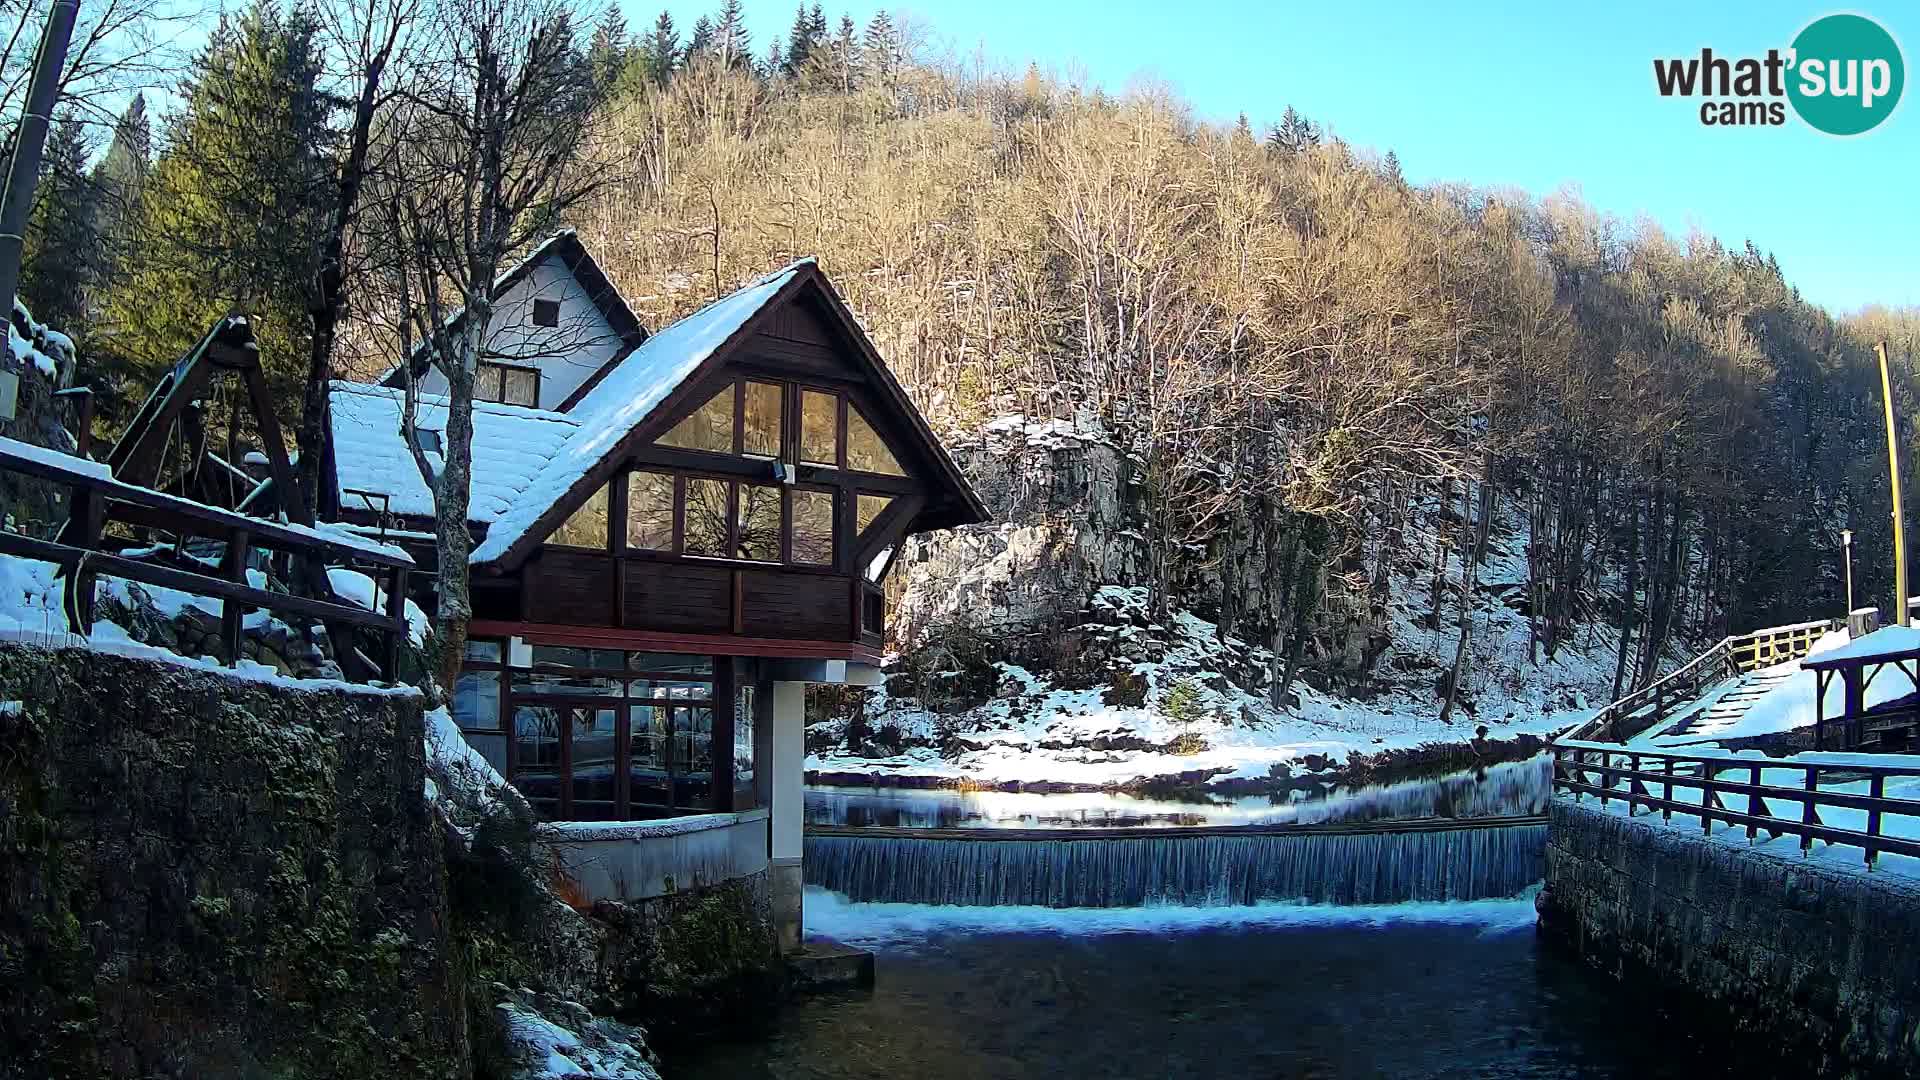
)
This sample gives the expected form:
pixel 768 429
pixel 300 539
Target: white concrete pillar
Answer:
pixel 787 712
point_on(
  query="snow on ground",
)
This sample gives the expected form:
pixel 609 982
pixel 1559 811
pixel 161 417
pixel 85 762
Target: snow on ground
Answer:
pixel 1036 732
pixel 32 612
pixel 1787 703
pixel 548 1051
pixel 901 927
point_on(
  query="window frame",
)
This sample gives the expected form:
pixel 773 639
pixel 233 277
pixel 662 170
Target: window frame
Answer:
pixel 720 760
pixel 481 369
pixel 540 306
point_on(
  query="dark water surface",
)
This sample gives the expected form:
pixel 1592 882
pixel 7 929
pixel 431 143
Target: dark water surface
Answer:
pixel 1441 990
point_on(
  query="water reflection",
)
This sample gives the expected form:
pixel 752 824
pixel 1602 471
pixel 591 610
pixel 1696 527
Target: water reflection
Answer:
pixel 1520 787
pixel 1237 993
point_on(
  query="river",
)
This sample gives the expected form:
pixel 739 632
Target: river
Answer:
pixel 985 990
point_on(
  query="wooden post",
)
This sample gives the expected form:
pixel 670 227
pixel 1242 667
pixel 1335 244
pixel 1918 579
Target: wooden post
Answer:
pixel 232 612
pixel 1808 816
pixel 86 517
pixel 397 609
pixel 1893 472
pixel 1666 812
pixel 1877 790
pixel 1756 806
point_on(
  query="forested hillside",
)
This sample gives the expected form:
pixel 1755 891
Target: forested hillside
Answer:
pixel 1310 369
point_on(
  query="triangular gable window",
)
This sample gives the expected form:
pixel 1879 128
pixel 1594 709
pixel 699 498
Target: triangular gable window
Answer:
pixel 710 427
pixel 866 451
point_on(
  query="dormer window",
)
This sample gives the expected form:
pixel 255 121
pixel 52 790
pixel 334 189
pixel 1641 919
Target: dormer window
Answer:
pixel 546 313
pixel 505 384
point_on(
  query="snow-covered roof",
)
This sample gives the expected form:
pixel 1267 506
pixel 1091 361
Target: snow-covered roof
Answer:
pixel 1886 643
pixel 511 445
pixel 630 391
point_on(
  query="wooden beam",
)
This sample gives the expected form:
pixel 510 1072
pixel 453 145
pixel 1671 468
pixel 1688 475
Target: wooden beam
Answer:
pixel 102 562
pixel 661 641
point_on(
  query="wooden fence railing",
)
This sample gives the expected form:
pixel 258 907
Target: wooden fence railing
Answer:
pixel 1729 658
pixel 96 498
pixel 1733 790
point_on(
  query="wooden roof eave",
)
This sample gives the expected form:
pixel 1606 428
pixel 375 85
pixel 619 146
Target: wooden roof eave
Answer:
pixel 954 505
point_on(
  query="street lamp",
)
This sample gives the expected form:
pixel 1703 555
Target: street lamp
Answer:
pixel 1846 547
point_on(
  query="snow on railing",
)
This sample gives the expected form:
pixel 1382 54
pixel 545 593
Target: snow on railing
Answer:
pixel 1730 657
pixel 96 496
pixel 1838 799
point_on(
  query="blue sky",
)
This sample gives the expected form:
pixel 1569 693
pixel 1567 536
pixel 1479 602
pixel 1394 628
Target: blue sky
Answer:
pixel 1535 96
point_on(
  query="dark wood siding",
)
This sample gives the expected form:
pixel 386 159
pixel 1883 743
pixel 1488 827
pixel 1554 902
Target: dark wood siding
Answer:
pixel 688 597
pixel 574 587
pixel 789 605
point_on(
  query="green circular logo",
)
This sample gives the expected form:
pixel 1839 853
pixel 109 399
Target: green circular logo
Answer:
pixel 1847 74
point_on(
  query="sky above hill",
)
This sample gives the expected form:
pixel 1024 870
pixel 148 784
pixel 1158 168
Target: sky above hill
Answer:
pixel 1535 96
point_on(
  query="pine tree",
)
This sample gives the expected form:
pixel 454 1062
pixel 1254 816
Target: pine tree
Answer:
pixel 607 51
pixel 776 62
pixel 231 215
pixel 800 41
pixel 702 41
pixel 847 42
pixel 120 177
pixel 882 42
pixel 1293 134
pixel 1390 168
pixel 1242 130
pixel 730 35
pixel 61 260
pixel 661 52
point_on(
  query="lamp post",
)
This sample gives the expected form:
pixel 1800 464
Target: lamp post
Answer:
pixel 1846 550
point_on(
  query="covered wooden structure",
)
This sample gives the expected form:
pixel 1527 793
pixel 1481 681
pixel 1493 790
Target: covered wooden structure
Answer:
pixel 700 526
pixel 1891 652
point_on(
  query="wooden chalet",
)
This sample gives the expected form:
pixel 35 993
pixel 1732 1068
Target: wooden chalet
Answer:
pixel 673 532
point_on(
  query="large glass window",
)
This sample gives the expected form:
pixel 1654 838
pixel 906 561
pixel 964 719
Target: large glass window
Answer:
pixel 757 530
pixel 650 511
pixel 743 704
pixel 867 508
pixel 710 427
pixel 760 429
pixel 585 527
pixel 819 428
pixel 600 734
pixel 594 758
pixel 866 451
pixel 812 526
pixel 706 525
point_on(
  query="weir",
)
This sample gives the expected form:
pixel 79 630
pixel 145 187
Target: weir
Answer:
pixel 1373 863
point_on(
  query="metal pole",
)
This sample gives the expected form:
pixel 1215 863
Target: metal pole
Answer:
pixel 1846 548
pixel 29 139
pixel 1893 470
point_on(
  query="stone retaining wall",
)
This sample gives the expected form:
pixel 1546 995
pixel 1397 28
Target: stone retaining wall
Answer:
pixel 1805 959
pixel 202 876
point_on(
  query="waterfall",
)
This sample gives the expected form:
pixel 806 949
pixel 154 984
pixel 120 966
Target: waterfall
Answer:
pixel 1202 867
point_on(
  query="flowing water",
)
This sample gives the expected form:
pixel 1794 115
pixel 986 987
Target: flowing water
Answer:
pixel 1102 936
pixel 1249 993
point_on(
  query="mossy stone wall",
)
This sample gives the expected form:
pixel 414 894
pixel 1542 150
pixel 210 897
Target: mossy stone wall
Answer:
pixel 206 877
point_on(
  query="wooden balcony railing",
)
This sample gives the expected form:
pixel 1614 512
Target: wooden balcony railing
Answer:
pixel 1735 790
pixel 97 498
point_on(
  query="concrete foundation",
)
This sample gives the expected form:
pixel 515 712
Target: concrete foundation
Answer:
pixel 828 965
pixel 635 860
pixel 785 889
pixel 1805 960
